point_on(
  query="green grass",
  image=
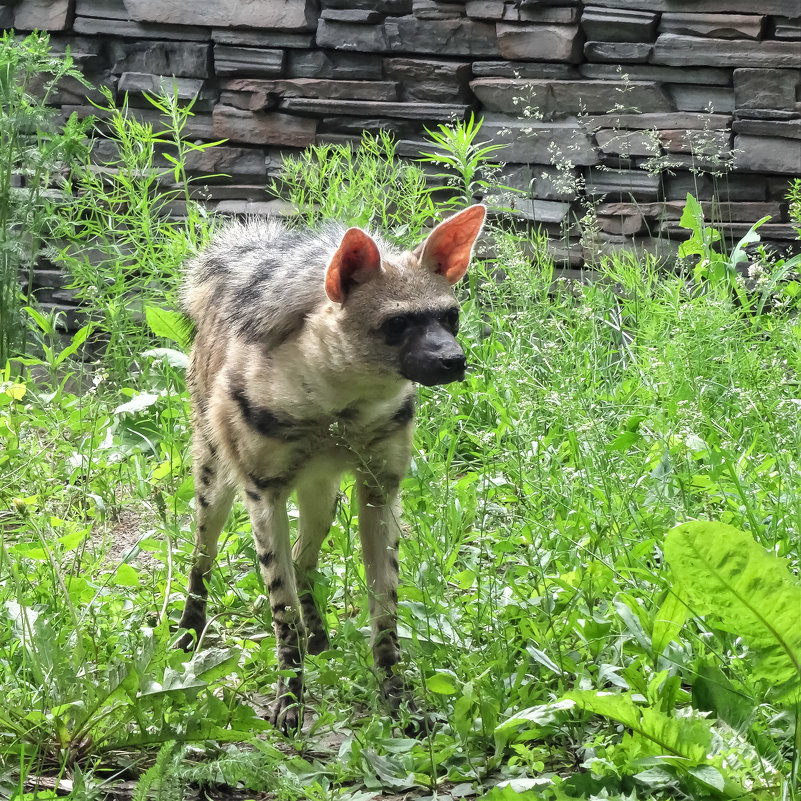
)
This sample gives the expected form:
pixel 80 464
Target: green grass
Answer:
pixel 543 617
pixel 594 419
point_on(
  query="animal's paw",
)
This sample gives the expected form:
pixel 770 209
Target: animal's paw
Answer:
pixel 317 642
pixel 193 626
pixel 404 708
pixel 285 712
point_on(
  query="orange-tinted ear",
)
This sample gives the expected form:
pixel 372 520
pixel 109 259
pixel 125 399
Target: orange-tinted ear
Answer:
pixel 356 261
pixel 449 246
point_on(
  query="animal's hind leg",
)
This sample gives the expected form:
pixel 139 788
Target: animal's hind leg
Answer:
pixel 271 532
pixel 214 496
pixel 317 506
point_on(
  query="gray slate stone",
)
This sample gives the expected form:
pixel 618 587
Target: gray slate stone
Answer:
pixel 106 9
pixel 718 26
pixel 183 88
pixel 513 12
pixel 270 39
pixel 45 15
pixel 560 15
pixel 767 154
pixel 358 15
pixel 319 64
pixel 335 128
pixel 456 37
pixel 704 144
pixel 619 52
pixel 524 69
pixel 628 143
pixel 787 8
pixel 543 211
pixel 258 62
pixel 539 142
pixel 485 9
pixel 684 51
pixel 395 7
pixel 635 184
pixel 610 25
pixel 312 87
pixel 261 128
pixel 764 88
pixel 642 122
pixel 434 9
pixel 6 16
pixel 702 98
pixel 568 97
pixel 182 59
pixel 787 28
pixel 288 15
pixel 786 129
pixel 95 26
pixel 351 36
pixel 372 108
pixel 767 113
pixel 708 76
pixel 539 42
pixel 428 80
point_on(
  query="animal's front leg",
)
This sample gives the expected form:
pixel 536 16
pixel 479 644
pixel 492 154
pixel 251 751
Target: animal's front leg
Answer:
pixel 271 531
pixel 379 529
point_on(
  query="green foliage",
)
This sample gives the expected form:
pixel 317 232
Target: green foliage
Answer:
pixel 743 589
pixel 541 627
pixel 36 154
pixel 468 163
pixel 718 272
pixel 366 186
pixel 794 196
pixel 124 251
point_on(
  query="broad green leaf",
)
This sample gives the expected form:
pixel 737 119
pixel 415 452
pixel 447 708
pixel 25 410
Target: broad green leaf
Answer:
pixel 742 588
pixel 441 683
pixel 126 576
pixel 714 692
pixel 168 324
pixel 668 621
pixel 175 358
pixel 138 403
pixel 689 738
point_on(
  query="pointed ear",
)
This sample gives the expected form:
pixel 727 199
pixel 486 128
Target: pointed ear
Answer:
pixel 356 261
pixel 448 248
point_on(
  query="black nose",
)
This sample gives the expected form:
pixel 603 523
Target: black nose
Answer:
pixel 454 364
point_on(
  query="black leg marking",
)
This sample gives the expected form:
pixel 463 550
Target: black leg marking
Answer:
pixel 266 558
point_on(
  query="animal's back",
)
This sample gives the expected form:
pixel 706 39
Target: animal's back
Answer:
pixel 258 280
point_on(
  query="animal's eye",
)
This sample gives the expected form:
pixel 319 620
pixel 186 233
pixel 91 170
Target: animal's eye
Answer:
pixel 451 319
pixel 395 326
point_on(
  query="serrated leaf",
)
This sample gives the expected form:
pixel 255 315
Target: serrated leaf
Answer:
pixel 742 588
pixel 168 324
pixel 689 738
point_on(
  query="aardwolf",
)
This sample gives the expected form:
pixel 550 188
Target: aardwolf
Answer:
pixel 306 348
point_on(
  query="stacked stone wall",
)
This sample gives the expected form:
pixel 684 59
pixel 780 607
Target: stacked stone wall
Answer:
pixel 627 103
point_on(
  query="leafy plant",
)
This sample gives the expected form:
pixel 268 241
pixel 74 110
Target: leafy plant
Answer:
pixel 36 155
pixel 741 588
pixel 719 271
pixel 468 162
pixel 367 185
pixel 124 249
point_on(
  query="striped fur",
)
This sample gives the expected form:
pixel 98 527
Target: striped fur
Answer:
pixel 305 347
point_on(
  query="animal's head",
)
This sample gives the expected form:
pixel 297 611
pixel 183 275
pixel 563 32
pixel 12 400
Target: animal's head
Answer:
pixel 398 311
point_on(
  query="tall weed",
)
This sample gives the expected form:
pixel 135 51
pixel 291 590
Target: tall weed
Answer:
pixel 36 157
